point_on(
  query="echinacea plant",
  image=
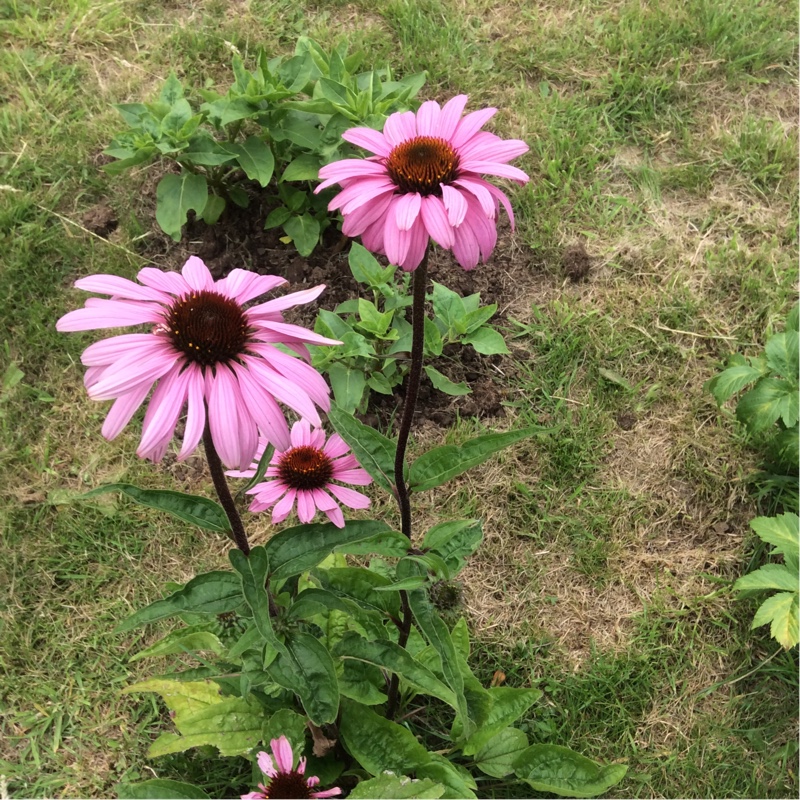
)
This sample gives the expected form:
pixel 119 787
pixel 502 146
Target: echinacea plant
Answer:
pixel 319 656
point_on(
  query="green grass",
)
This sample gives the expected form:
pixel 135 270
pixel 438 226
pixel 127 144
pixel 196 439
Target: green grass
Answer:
pixel 664 134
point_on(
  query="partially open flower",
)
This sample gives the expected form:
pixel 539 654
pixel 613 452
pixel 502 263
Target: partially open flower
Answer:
pixel 285 781
pixel 305 472
pixel 205 351
pixel 425 181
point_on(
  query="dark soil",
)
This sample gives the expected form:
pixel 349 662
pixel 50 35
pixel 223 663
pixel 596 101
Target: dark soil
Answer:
pixel 577 262
pixel 238 239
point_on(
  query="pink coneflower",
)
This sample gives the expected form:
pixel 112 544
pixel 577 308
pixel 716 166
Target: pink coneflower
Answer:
pixel 304 472
pixel 206 351
pixel 285 781
pixel 425 181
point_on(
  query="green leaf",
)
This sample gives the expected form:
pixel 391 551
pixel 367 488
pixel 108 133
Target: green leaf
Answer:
pixel 454 541
pixel 365 267
pixel 288 723
pixel 378 744
pixel 255 158
pixel 362 585
pixel 508 705
pixel 437 466
pixel 176 195
pixel 304 231
pixel 782 531
pixel 395 786
pixel 770 576
pixel 373 450
pixel 210 593
pixel 348 386
pixel 449 307
pixel 159 789
pixel 783 354
pixel 781 611
pixel 239 196
pixel 307 670
pixel 551 768
pixel 303 168
pixel 253 570
pixel 183 640
pixel 171 91
pixel 301 132
pixel 614 377
pixel 732 380
pixel 444 384
pixel 433 344
pixel 771 399
pixel 371 319
pixel 214 207
pixel 199 511
pixel 277 217
pixel 497 756
pixel 486 341
pixel 297 549
pixel 455 777
pixel 139 157
pixel 390 656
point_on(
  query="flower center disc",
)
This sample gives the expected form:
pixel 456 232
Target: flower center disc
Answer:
pixel 305 468
pixel 422 164
pixel 207 327
pixel 286 785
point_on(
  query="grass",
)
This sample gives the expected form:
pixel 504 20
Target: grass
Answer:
pixel 662 135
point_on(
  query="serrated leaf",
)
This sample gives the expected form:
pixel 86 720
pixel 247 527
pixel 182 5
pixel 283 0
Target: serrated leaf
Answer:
pixel 732 380
pixel 771 399
pixel 373 450
pixel 444 384
pixel 770 576
pixel 176 195
pixel 781 612
pixel 159 789
pixel 297 549
pixel 307 669
pixel 377 743
pixel 486 341
pixel 783 354
pixel 209 593
pixel 782 531
pixel 551 768
pixel 497 756
pixel 395 786
pixel 199 511
pixel 437 466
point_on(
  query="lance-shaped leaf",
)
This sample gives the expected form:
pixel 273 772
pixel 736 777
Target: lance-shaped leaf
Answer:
pixel 396 786
pixel 497 756
pixel 390 656
pixel 298 549
pixel 199 511
pixel 159 789
pixel 210 593
pixel 373 450
pixel 456 778
pixel 253 570
pixel 454 541
pixel 378 744
pixel 184 640
pixel 551 768
pixel 508 705
pixel 437 466
pixel 176 195
pixel 306 668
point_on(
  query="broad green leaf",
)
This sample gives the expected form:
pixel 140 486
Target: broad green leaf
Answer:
pixel 276 218
pixel 159 789
pixel 478 317
pixel 793 320
pixel 199 511
pixel 295 550
pixel 210 593
pixel 454 541
pixel 551 768
pixel 11 377
pixel 362 585
pixel 362 682
pixel 770 576
pixel 182 697
pixel 303 168
pixel 176 195
pixel 460 636
pixel 205 152
pixel 131 112
pixel 304 231
pixel 412 582
pixel 396 786
pixel 251 639
pixel 437 466
pixel 348 386
pixel 288 723
pixel 139 157
pixel 365 267
pixel 456 778
pixel 307 669
pixel 377 743
pixel 301 132
pixel 508 705
pixel 732 380
pixel 183 640
pixel 449 307
pixel 783 354
pixel 373 450
pixel 497 756
pixel 390 656
pixel 215 205
pixel 433 344
pixel 336 93
pixel 253 570
pixel 371 319
pixel 782 531
pixel 444 384
pixel 171 91
pixel 233 726
pixel 781 611
pixel 255 158
pixel 486 341
pixel 380 383
pixel 771 399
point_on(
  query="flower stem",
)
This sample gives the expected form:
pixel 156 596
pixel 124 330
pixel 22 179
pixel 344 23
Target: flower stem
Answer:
pixel 412 390
pixel 237 533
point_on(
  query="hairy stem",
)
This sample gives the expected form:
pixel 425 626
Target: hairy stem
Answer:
pixel 237 533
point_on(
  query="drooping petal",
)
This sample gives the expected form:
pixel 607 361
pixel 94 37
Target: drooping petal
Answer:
pixel 394 241
pixel 406 210
pixel 287 301
pixel 417 244
pixel 109 314
pixel 436 222
pixel 295 332
pixel 196 411
pixel 455 205
pixel 122 410
pixel 465 248
pixel 243 285
pixel 223 418
pixel 262 408
pixel 369 139
pixel 349 497
pixel 501 197
pixel 282 510
pixel 500 170
pixel 306 509
pixel 302 374
pixel 163 412
pixel 356 222
pixel 335 792
pixel 269 492
pixel 129 371
pixel 479 189
pixel 170 282
pixel 265 765
pixel 284 390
